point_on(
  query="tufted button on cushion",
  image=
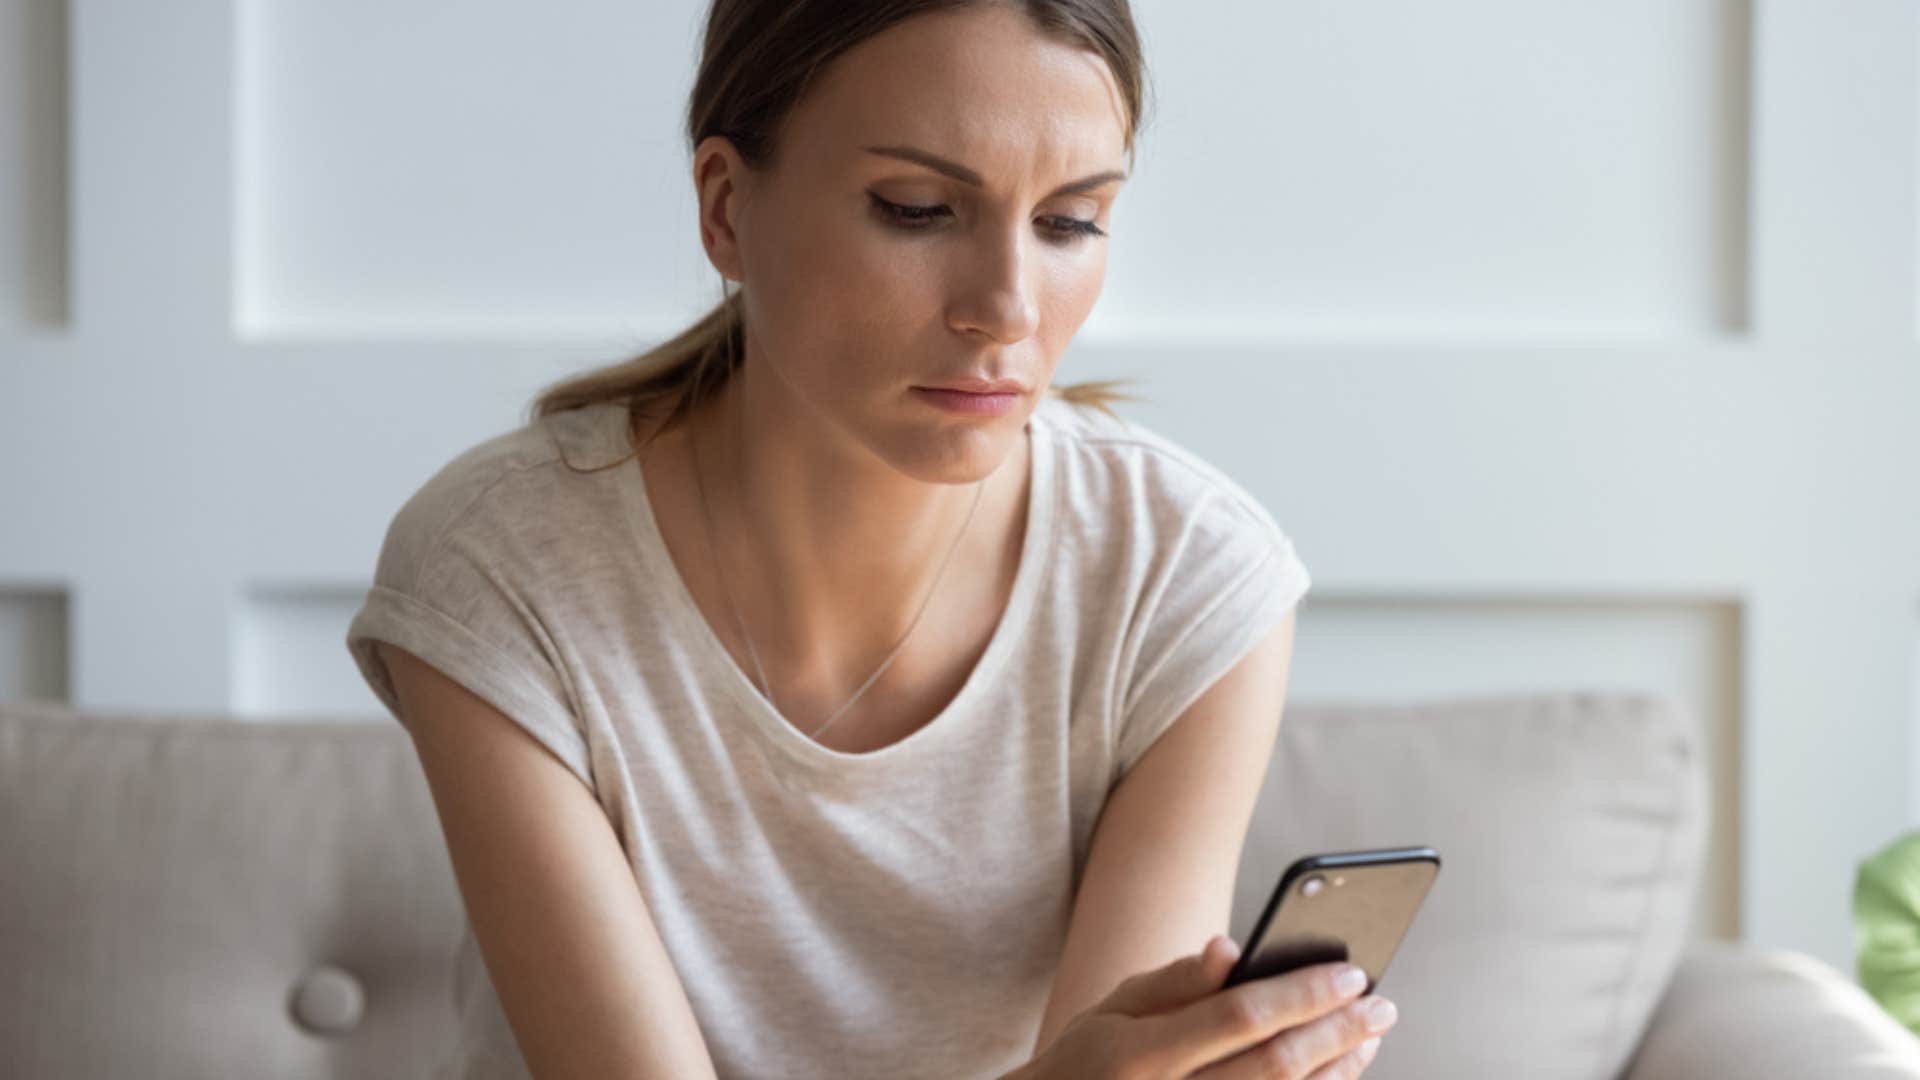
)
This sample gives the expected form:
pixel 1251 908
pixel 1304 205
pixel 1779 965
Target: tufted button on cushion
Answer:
pixel 328 1001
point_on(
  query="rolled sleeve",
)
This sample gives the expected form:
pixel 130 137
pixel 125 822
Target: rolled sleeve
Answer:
pixel 456 611
pixel 1226 598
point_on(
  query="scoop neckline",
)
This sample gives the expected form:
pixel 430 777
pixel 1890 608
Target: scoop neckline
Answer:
pixel 715 661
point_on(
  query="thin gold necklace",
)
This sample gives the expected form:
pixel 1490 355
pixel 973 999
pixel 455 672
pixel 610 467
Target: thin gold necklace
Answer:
pixel 766 686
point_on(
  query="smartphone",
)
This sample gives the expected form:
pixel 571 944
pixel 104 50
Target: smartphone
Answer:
pixel 1352 906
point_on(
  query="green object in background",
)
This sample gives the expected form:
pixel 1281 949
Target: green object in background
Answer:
pixel 1886 928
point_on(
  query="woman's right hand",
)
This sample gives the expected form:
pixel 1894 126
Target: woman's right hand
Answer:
pixel 1177 1022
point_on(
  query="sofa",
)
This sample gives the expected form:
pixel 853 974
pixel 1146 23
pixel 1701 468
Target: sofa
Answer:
pixel 198 895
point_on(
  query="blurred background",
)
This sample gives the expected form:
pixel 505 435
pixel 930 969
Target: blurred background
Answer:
pixel 1573 344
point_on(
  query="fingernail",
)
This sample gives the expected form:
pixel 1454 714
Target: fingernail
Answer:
pixel 1226 946
pixel 1350 981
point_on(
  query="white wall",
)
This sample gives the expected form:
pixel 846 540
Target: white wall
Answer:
pixel 1573 344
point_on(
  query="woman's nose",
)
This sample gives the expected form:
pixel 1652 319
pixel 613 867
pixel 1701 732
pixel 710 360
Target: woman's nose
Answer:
pixel 997 298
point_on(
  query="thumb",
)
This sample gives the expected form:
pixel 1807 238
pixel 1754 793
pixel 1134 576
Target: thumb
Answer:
pixel 1184 980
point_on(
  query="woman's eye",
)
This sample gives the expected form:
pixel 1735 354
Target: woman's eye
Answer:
pixel 1074 228
pixel 913 217
pixel 1064 229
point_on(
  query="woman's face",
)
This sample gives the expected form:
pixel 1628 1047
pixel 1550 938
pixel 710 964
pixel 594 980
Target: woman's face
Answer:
pixel 852 304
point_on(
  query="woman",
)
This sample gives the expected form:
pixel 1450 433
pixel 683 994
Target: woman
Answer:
pixel 838 630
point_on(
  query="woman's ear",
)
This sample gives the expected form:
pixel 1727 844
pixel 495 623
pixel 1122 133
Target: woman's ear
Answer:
pixel 718 178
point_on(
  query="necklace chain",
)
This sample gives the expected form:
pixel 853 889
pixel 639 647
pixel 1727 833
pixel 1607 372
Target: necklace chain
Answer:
pixel 766 686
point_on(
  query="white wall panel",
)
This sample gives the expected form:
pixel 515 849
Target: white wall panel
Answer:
pixel 1834 170
pixel 1400 170
pixel 287 658
pixel 487 169
pixel 33 644
pixel 33 165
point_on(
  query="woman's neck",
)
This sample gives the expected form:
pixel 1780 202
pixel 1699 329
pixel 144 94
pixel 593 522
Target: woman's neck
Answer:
pixel 828 549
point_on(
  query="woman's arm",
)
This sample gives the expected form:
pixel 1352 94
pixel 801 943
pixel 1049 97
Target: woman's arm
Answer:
pixel 569 945
pixel 1166 848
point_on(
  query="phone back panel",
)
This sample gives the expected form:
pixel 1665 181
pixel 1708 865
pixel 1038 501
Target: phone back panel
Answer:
pixel 1358 913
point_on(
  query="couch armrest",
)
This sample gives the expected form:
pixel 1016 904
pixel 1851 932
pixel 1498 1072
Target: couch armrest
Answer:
pixel 1744 1010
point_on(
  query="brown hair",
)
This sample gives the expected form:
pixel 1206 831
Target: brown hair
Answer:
pixel 757 59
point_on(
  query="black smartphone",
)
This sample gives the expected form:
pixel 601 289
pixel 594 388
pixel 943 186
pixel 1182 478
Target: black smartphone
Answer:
pixel 1352 906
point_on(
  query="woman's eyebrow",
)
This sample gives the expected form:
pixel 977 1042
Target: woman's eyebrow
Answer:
pixel 968 176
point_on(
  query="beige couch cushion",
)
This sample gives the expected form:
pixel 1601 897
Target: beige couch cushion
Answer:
pixel 194 896
pixel 1570 829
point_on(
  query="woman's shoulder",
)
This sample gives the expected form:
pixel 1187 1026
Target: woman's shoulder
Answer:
pixel 512 479
pixel 1129 475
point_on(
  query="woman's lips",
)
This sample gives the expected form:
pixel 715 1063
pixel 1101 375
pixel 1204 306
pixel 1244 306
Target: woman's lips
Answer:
pixel 966 404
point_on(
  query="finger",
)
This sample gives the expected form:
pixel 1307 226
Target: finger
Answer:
pixel 1179 983
pixel 1351 1064
pixel 1320 1050
pixel 1243 1017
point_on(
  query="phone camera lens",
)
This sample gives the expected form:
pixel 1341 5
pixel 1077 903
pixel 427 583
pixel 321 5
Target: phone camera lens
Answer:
pixel 1313 885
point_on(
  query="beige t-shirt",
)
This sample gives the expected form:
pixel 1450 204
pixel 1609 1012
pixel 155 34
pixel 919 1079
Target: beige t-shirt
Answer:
pixel 896 913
